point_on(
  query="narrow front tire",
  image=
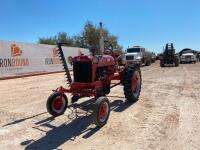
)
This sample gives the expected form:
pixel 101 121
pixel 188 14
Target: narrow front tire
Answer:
pixel 101 111
pixel 57 104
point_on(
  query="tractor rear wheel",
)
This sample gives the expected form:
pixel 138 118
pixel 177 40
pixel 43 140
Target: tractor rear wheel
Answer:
pixel 57 104
pixel 132 83
pixel 101 111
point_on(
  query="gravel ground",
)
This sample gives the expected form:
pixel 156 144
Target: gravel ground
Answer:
pixel 167 115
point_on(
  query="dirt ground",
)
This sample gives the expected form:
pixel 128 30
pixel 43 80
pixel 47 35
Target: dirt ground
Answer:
pixel 167 115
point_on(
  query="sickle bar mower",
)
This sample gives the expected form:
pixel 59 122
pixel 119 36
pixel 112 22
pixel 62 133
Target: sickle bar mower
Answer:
pixel 92 76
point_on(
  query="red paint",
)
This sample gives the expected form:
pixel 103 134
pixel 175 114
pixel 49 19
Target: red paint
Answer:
pixel 58 103
pixel 103 111
pixel 134 83
pixel 91 88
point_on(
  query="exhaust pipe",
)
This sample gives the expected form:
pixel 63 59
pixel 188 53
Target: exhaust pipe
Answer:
pixel 101 41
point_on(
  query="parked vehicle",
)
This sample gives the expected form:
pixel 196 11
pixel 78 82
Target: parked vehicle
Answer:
pixel 188 55
pixel 153 57
pixel 137 55
pixel 158 56
pixel 169 56
pixel 198 56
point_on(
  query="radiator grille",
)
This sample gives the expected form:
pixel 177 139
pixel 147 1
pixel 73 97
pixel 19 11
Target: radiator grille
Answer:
pixel 129 57
pixel 188 57
pixel 82 71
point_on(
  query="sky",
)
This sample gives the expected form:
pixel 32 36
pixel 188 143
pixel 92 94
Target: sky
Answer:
pixel 149 23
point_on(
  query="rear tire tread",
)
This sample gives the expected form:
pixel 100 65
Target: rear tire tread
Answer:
pixel 128 81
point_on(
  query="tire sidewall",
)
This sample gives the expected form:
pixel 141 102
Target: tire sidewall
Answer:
pixel 98 102
pixel 129 94
pixel 50 101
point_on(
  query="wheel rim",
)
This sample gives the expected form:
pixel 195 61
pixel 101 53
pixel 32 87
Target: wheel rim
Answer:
pixel 135 87
pixel 58 104
pixel 103 111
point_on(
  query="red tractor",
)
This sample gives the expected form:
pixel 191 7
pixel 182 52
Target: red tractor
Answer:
pixel 92 76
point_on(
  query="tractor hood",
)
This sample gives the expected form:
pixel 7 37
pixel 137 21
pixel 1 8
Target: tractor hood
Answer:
pixel 106 60
pixel 82 58
pixel 100 60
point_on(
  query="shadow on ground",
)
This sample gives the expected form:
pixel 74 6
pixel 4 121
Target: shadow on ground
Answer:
pixel 70 130
pixel 22 119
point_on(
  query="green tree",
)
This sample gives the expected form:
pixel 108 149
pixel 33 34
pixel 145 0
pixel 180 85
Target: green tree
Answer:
pixel 90 36
pixel 61 36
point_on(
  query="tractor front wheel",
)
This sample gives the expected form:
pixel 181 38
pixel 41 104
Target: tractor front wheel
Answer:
pixel 132 83
pixel 101 111
pixel 57 104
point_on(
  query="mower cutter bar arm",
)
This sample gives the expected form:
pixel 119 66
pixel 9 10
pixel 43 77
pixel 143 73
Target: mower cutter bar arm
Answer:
pixel 63 60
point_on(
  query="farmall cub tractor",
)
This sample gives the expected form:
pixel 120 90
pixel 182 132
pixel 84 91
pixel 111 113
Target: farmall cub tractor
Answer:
pixel 92 76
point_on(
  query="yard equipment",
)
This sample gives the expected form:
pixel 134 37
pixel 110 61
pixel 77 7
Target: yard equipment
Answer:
pixel 92 76
pixel 169 56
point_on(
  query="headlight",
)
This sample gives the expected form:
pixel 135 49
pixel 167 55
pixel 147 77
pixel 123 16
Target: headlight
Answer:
pixel 138 57
pixel 182 56
pixel 70 60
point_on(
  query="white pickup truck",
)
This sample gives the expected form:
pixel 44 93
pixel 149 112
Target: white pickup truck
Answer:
pixel 188 56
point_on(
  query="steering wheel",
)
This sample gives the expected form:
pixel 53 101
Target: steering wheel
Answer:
pixel 108 50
